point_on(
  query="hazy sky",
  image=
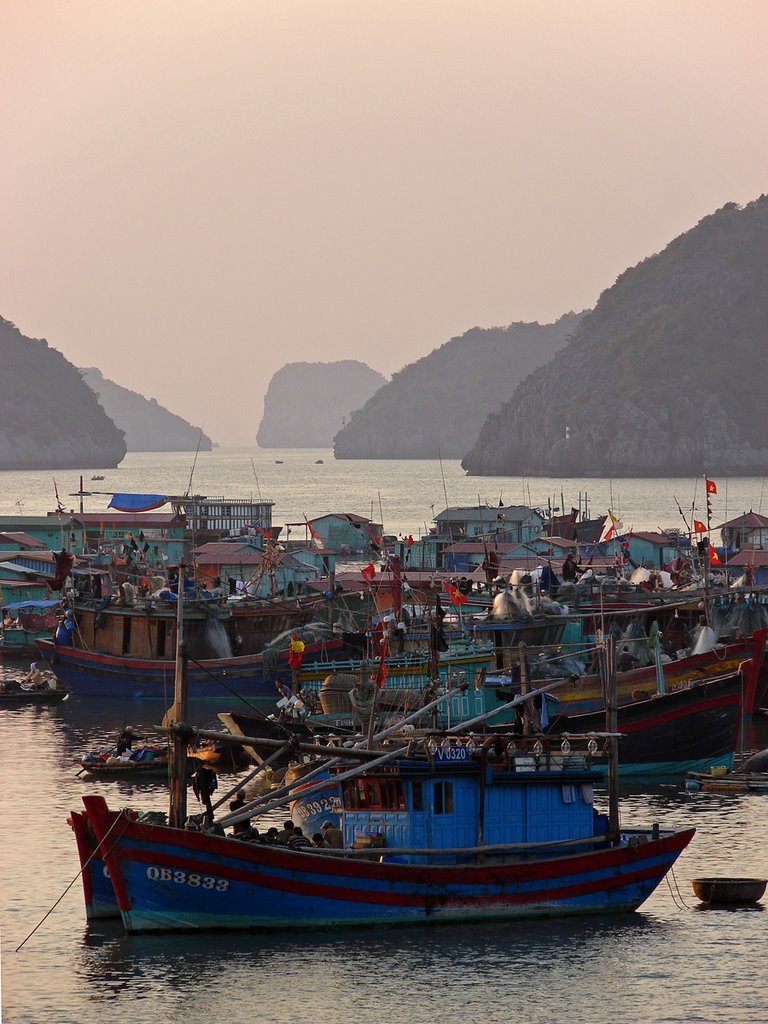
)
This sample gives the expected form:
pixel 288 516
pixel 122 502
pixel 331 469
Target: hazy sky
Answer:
pixel 193 194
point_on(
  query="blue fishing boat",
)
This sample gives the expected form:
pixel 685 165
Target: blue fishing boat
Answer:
pixel 462 833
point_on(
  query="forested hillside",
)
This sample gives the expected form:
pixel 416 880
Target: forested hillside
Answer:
pixel 665 377
pixel 49 417
pixel 440 402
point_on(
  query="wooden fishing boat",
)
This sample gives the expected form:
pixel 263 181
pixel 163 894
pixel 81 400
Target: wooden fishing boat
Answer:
pixel 98 891
pixel 585 694
pixel 689 730
pixel 131 652
pixel 411 855
pixel 139 763
pixel 22 696
pixel 429 835
pixel 727 782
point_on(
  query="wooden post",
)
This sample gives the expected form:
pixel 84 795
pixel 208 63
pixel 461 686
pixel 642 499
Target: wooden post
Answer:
pixel 524 687
pixel 612 727
pixel 177 815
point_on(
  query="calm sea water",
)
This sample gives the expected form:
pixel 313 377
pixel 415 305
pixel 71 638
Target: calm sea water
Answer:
pixel 405 493
pixel 672 961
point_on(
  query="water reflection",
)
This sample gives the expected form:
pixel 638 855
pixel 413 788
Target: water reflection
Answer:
pixel 675 961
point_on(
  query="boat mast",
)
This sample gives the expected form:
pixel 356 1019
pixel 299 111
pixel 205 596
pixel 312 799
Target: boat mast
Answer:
pixel 176 715
pixel 611 727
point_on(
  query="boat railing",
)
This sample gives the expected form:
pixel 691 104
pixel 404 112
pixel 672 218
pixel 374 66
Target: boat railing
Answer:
pixel 493 849
pixel 539 747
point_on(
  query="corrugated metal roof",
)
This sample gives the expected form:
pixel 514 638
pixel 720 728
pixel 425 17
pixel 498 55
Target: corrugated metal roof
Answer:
pixel 653 538
pixel 21 538
pixel 129 519
pixel 468 547
pixel 750 520
pixel 486 513
pixel 744 558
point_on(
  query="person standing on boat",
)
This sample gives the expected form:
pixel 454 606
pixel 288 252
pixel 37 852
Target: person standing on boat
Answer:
pixel 332 835
pixel 125 740
pixel 65 630
pixel 239 827
pixel 569 569
pixel 626 660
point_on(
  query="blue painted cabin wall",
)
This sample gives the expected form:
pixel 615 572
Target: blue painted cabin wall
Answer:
pixel 531 809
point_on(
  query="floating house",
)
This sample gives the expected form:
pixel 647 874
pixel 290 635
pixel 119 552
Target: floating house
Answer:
pixel 652 550
pixel 345 532
pixel 157 538
pixel 52 531
pixel 508 524
pixel 748 531
pixel 238 565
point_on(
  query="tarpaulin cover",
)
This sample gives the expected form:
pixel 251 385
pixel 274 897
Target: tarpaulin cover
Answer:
pixel 137 502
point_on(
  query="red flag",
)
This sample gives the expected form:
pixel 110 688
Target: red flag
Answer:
pixel 381 673
pixel 455 595
pixel 410 540
pixel 368 572
pixel 714 558
pixel 711 486
pixel 699 527
pixel 318 540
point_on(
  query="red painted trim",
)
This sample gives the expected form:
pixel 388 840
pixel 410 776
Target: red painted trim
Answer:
pixel 102 820
pixel 78 821
pixel 389 898
pixel 253 857
pixel 690 711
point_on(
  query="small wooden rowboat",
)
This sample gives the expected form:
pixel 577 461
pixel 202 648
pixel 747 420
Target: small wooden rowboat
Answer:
pixel 729 891
pixel 106 765
pixel 17 698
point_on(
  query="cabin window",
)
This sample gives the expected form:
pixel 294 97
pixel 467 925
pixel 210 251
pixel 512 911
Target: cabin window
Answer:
pixel 161 638
pixel 374 795
pixel 443 798
pixel 417 796
pixel 127 634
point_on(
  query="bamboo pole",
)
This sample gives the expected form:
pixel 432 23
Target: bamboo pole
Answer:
pixel 337 779
pixel 177 814
pixel 611 727
pixel 252 775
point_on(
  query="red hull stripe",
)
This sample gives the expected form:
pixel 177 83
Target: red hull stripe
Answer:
pixel 398 873
pixel 728 700
pixel 426 900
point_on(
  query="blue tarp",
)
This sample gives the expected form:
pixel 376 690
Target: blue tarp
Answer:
pixel 137 502
pixel 20 605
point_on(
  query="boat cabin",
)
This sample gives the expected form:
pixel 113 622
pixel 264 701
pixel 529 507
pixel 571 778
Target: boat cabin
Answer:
pixel 461 799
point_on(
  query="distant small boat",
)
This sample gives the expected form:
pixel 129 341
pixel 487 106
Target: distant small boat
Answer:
pixel 97 477
pixel 278 462
pixel 318 462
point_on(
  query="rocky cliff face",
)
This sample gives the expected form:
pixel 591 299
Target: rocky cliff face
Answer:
pixel 665 377
pixel 49 418
pixel 307 403
pixel 148 426
pixel 440 402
